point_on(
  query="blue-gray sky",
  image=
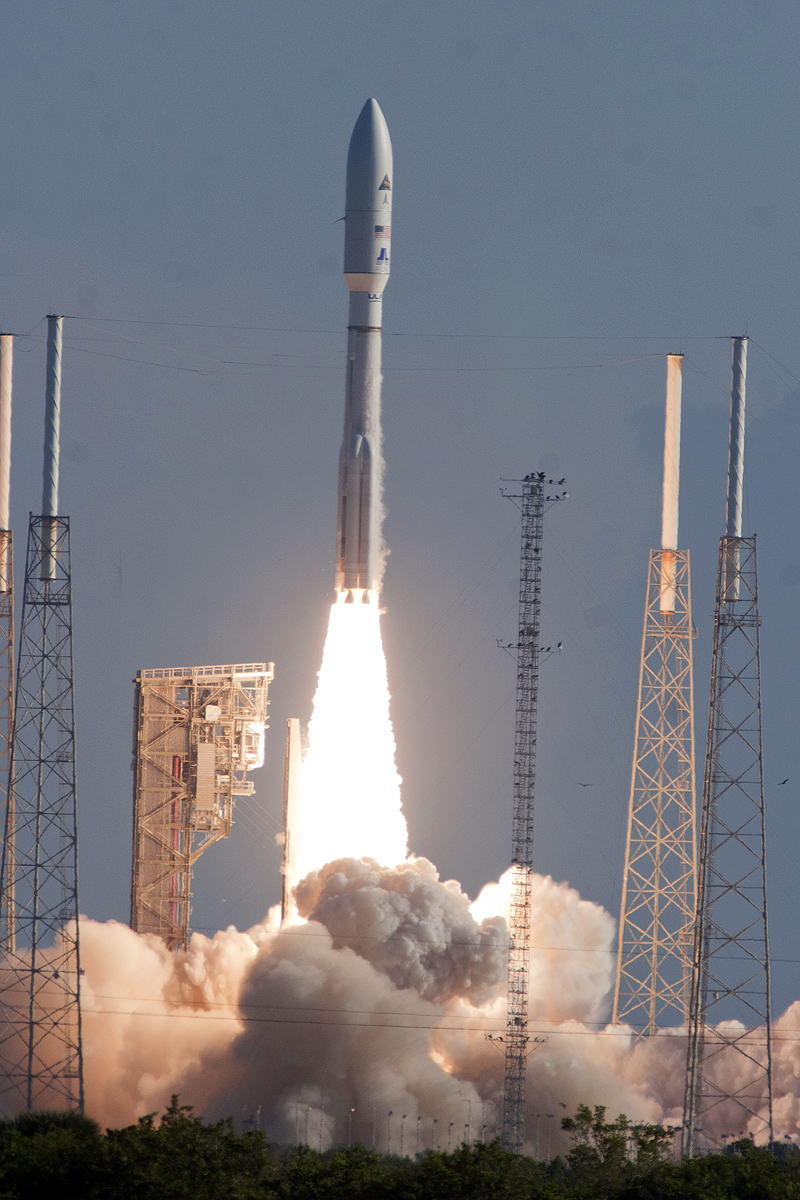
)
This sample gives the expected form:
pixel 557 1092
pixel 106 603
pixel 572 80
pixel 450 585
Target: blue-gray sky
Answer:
pixel 578 190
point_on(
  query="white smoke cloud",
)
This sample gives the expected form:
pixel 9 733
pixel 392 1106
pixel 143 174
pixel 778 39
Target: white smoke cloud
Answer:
pixel 380 1002
pixel 418 932
pixel 369 1016
pixel 155 1023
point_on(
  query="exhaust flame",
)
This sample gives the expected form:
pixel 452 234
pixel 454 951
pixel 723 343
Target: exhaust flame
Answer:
pixel 349 786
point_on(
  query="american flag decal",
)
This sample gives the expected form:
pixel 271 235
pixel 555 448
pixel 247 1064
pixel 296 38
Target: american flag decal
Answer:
pixel 383 231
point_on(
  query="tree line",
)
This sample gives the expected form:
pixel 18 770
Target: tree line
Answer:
pixel 179 1156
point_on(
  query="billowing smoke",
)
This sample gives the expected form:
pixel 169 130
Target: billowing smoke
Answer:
pixel 368 1017
pixel 378 1003
pixel 417 932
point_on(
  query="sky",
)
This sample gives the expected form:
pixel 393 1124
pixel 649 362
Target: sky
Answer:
pixel 579 190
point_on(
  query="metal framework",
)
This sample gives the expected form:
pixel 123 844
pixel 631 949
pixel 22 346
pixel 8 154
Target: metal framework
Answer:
pixel 7 725
pixel 654 957
pixel 40 1033
pixel 197 733
pixel 528 653
pixel 729 1061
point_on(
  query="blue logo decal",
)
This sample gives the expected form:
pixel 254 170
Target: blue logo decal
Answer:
pixel 383 256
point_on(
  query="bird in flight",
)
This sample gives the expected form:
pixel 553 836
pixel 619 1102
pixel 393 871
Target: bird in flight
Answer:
pixel 782 782
pixel 585 785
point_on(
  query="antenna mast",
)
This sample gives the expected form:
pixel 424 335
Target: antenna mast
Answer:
pixel 528 659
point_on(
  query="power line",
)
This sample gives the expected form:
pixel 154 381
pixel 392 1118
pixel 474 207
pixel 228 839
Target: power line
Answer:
pixel 280 366
pixel 531 337
pixel 553 1031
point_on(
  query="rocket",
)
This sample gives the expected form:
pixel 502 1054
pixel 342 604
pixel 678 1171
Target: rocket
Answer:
pixel 367 253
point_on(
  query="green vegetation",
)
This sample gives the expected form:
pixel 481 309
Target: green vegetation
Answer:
pixel 65 1156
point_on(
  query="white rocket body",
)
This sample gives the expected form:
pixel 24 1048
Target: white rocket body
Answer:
pixel 367 252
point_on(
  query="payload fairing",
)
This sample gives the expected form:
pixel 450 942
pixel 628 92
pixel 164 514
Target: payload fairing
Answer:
pixel 367 251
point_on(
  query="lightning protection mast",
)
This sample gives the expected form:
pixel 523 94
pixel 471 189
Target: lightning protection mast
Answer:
pixel 6 625
pixel 729 1059
pixel 40 1031
pixel 658 889
pixel 528 658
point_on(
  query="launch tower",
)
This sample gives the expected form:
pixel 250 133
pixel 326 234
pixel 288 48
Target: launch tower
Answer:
pixel 198 731
pixel 658 890
pixel 729 1062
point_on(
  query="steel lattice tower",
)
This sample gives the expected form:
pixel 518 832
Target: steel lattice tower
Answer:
pixel 528 653
pixel 729 1063
pixel 658 890
pixel 41 1059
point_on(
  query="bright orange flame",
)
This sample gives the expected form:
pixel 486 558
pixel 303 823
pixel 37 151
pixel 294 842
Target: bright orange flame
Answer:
pixel 349 786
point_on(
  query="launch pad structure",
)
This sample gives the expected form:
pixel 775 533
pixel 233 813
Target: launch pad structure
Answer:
pixel 198 731
pixel 654 957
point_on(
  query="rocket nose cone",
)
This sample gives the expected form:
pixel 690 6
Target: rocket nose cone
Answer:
pixel 369 155
pixel 371 123
pixel 368 205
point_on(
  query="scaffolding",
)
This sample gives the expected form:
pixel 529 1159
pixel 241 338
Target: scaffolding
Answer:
pixel 654 953
pixel 198 731
pixel 729 1058
pixel 528 658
